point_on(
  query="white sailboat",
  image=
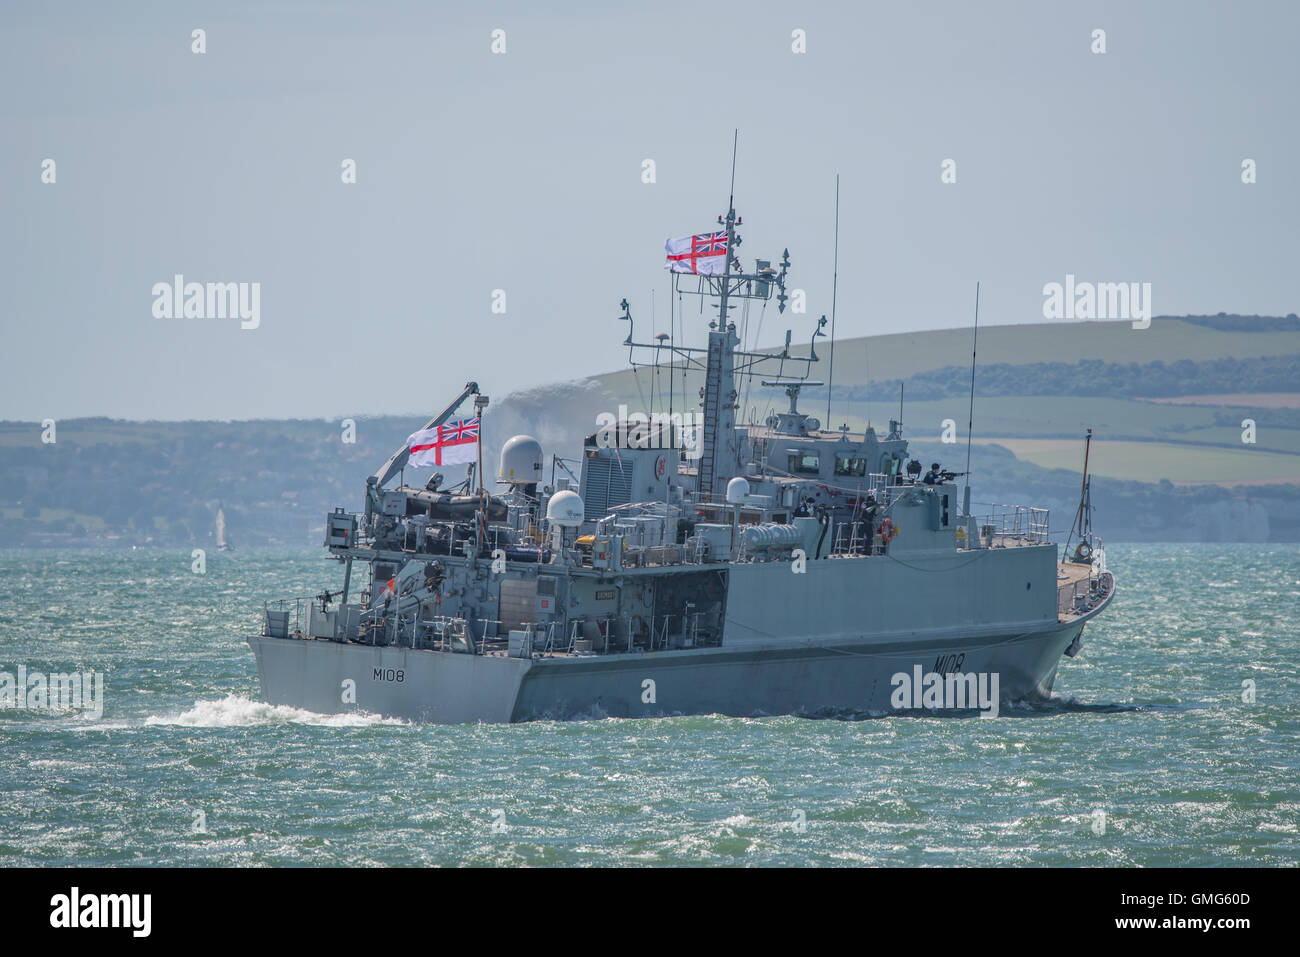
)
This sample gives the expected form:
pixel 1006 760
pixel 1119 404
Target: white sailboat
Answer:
pixel 222 544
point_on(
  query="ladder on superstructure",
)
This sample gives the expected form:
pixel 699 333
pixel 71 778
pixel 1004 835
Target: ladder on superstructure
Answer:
pixel 712 396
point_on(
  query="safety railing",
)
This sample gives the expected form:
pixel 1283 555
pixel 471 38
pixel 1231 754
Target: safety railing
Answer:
pixel 1019 523
pixel 1077 597
pixel 657 633
pixel 877 482
pixel 279 613
pixel 851 538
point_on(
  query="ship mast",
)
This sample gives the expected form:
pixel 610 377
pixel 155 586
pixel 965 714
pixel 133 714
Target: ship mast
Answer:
pixel 720 374
pixel 722 360
pixel 1083 517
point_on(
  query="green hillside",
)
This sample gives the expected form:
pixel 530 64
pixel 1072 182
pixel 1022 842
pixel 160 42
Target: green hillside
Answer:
pixel 1165 471
pixel 897 356
pixel 1043 382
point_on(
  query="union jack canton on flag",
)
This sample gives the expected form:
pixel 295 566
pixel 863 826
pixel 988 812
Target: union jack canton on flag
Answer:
pixel 452 444
pixel 702 255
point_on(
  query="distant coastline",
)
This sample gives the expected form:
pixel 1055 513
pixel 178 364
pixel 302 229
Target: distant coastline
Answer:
pixel 1168 405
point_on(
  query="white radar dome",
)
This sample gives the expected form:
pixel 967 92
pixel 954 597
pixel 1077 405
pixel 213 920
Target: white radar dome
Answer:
pixel 565 509
pixel 737 489
pixel 521 461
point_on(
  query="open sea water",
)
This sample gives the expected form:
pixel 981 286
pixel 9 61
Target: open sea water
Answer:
pixel 1148 756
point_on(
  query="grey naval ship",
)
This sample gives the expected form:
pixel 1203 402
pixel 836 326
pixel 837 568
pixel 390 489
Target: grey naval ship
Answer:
pixel 694 566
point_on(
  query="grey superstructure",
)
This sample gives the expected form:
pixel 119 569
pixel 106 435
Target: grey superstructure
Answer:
pixel 742 570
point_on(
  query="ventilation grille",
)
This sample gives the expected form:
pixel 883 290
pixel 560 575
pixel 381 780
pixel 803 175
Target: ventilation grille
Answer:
pixel 606 482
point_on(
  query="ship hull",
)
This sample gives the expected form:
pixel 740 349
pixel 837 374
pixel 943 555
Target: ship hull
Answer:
pixel 813 679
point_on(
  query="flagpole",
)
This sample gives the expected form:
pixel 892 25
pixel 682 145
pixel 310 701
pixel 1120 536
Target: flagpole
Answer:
pixel 480 406
pixel 480 456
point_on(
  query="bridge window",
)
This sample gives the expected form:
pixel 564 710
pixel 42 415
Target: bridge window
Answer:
pixel 803 464
pixel 850 466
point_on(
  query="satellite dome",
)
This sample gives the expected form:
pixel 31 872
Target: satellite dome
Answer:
pixel 521 461
pixel 565 509
pixel 737 489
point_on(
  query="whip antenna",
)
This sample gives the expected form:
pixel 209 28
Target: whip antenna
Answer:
pixel 970 420
pixel 835 280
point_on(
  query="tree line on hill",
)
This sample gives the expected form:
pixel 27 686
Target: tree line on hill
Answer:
pixel 1090 377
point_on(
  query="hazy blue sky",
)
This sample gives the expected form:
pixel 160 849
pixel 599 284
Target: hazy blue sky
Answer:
pixel 523 172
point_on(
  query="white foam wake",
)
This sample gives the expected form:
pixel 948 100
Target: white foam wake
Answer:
pixel 236 711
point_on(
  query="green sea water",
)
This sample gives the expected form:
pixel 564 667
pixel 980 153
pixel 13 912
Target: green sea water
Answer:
pixel 1149 756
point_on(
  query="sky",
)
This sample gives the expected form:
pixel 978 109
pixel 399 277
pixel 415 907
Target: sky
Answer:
pixel 524 171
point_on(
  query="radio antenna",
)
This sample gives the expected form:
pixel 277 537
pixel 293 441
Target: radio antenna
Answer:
pixel 835 280
pixel 735 141
pixel 970 420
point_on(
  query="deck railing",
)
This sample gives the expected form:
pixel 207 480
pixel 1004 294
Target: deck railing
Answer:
pixel 1076 597
pixel 278 614
pixel 1024 523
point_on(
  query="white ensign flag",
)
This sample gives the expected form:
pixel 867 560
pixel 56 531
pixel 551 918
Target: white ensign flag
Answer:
pixel 702 255
pixel 455 443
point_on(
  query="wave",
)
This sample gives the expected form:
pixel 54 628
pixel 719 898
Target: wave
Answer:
pixel 1062 703
pixel 237 711
pixel 1024 708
